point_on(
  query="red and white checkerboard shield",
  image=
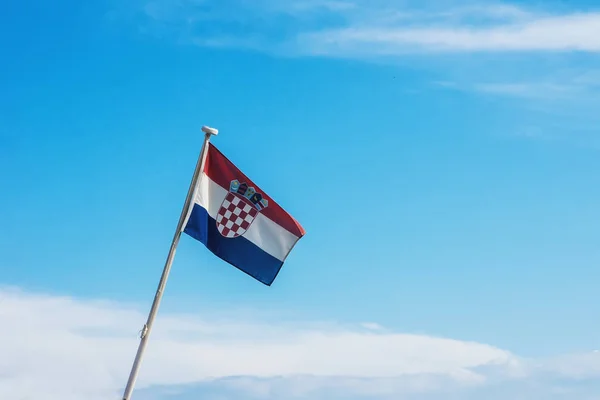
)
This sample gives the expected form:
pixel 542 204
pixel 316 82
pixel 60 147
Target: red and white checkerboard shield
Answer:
pixel 235 215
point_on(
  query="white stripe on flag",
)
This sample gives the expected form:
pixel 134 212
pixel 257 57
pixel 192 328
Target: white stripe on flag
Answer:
pixel 263 232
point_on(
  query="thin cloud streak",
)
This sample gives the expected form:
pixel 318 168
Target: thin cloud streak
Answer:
pixel 452 38
pixel 564 33
pixel 385 28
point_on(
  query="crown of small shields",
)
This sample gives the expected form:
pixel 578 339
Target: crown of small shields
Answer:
pixel 249 193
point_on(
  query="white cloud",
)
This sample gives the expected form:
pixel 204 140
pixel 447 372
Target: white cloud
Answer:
pixel 63 348
pixel 380 27
pixel 372 326
pixel 576 32
pixel 538 90
pixel 493 48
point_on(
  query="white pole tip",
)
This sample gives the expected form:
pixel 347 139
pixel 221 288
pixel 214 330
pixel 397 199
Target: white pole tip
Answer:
pixel 209 130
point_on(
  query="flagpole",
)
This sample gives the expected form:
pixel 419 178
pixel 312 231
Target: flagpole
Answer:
pixel 208 132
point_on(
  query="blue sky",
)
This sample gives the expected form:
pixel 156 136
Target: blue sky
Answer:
pixel 442 157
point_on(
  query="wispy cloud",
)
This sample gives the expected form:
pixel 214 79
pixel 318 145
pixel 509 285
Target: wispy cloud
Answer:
pixel 546 91
pixel 498 48
pixel 63 348
pixel 576 32
pixel 538 90
pixel 378 27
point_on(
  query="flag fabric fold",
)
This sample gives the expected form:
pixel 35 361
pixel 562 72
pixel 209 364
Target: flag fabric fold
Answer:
pixel 238 222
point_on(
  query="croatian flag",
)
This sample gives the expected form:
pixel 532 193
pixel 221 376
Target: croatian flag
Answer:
pixel 238 222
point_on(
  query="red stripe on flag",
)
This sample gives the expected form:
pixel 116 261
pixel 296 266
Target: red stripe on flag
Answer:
pixel 222 171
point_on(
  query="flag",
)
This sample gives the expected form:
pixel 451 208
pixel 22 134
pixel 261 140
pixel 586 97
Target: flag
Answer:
pixel 238 222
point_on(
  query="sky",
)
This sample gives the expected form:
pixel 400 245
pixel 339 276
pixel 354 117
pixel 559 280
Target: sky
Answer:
pixel 441 156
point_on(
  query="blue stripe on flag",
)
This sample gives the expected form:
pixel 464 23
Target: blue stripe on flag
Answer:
pixel 239 252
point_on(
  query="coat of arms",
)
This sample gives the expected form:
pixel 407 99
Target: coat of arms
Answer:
pixel 239 209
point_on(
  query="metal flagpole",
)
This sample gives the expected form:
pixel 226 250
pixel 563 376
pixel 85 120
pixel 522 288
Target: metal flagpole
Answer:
pixel 165 274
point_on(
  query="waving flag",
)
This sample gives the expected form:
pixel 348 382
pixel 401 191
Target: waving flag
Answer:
pixel 235 219
pixel 238 222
